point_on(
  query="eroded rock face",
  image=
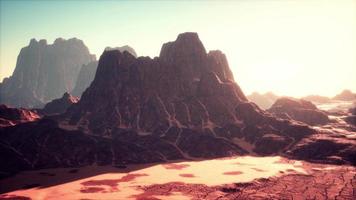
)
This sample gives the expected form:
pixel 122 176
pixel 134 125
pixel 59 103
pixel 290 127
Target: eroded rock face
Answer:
pixel 44 72
pixel 186 96
pixel 184 87
pixel 183 104
pixel 60 105
pixel 12 116
pixel 300 110
pixel 48 146
pixel 87 72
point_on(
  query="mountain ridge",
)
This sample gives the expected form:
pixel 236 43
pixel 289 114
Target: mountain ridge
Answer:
pixel 44 72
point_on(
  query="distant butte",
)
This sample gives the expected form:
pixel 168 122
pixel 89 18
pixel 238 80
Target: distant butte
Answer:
pixel 44 72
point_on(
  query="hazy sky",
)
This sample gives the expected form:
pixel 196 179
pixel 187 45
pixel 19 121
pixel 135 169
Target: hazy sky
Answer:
pixel 288 47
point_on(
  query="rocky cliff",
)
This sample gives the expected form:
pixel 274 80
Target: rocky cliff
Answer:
pixel 44 72
pixel 185 98
pixel 184 87
pixel 87 72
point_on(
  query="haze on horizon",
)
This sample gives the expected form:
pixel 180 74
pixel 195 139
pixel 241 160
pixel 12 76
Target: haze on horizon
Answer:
pixel 292 48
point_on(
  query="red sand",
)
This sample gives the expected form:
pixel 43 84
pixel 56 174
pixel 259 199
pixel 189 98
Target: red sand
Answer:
pixel 175 166
pixel 233 173
pixel 187 175
pixel 91 190
pixel 113 183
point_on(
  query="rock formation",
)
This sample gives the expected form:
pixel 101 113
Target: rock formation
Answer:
pixel 44 72
pixel 122 49
pixel 183 104
pixel 183 96
pixel 264 101
pixel 345 95
pixel 85 77
pixel 87 72
pixel 60 105
pixel 300 110
pixel 12 116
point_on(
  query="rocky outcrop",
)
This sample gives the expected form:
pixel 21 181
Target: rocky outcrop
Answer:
pixel 183 96
pixel 85 77
pixel 48 146
pixel 44 72
pixel 60 105
pixel 122 49
pixel 87 72
pixel 300 110
pixel 183 104
pixel 184 87
pixel 12 116
pixel 264 101
pixel 345 95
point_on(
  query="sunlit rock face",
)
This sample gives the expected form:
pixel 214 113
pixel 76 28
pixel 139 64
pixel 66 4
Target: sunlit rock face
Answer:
pixel 44 72
pixel 12 116
pixel 60 105
pixel 300 110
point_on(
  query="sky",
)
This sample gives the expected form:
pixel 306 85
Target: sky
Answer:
pixel 289 47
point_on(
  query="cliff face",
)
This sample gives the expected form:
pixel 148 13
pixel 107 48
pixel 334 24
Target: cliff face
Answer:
pixel 87 72
pixel 44 72
pixel 186 99
pixel 184 87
